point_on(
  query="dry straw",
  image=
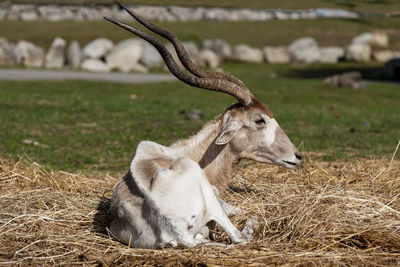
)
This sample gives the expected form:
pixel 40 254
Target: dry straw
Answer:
pixel 340 213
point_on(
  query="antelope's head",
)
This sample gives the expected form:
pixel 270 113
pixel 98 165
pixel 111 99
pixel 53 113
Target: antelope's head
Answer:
pixel 247 127
pixel 252 133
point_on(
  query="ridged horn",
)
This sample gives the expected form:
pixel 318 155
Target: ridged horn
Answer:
pixel 210 83
pixel 181 52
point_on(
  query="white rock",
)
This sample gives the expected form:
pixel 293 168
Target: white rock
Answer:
pixel 181 13
pixel 125 55
pixel 385 55
pixel 331 54
pixel 97 48
pixel 89 14
pixel 8 56
pixel 277 55
pixel 335 13
pixel 281 15
pixel 139 68
pixel 305 50
pixel 74 55
pixel 364 38
pixel 220 47
pixel 246 53
pixel 209 58
pixel 150 57
pixel 3 13
pixel 54 13
pixel 29 54
pixel 29 15
pixel 191 50
pixel 55 57
pixel 94 65
pixel 154 13
pixel 378 39
pixel 198 14
pixel 358 52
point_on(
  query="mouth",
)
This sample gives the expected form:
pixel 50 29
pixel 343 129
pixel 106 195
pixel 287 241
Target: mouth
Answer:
pixel 289 164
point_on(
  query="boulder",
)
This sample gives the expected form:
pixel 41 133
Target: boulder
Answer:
pixel 88 14
pixel 305 50
pixel 150 57
pixel 209 58
pixel 97 48
pixel 353 79
pixel 8 57
pixel 181 13
pixel 190 48
pixel 125 55
pixel 281 15
pixel 220 47
pixel 13 12
pixel 246 53
pixel 29 54
pixel 193 52
pixel 139 68
pixel 94 65
pixel 55 57
pixel 55 13
pixel 3 13
pixel 385 55
pixel 335 13
pixel 377 39
pixel 331 54
pixel 358 52
pixel 74 55
pixel 277 55
pixel 157 13
pixel 29 15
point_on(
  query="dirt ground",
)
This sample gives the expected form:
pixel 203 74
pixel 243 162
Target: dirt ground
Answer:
pixel 326 213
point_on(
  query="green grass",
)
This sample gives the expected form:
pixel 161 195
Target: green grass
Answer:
pixel 327 32
pixel 374 6
pixel 90 125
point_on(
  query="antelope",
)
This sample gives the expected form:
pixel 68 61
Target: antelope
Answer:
pixel 170 194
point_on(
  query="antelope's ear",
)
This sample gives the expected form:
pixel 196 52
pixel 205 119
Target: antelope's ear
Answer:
pixel 228 132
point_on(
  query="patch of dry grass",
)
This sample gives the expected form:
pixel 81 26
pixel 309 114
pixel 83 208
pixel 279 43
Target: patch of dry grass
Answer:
pixel 341 213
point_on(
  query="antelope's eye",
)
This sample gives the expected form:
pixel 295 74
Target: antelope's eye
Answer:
pixel 260 121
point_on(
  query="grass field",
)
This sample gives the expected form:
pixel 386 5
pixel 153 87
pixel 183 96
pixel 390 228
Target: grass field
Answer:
pixel 327 32
pixel 373 6
pixel 90 125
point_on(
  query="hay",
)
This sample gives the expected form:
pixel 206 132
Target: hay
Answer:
pixel 341 213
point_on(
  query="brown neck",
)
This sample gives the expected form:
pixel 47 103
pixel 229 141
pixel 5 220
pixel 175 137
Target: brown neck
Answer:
pixel 215 160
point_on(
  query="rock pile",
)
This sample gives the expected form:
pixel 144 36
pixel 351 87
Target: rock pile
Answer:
pixel 9 11
pixel 136 55
pixel 348 79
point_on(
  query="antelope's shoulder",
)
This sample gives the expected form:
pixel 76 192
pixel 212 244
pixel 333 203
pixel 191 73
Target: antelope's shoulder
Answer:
pixel 150 158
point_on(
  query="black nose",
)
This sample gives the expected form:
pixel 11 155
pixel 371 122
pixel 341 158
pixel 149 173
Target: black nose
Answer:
pixel 298 156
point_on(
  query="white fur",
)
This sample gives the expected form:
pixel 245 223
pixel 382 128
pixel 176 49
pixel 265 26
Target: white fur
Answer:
pixel 179 203
pixel 166 198
pixel 269 132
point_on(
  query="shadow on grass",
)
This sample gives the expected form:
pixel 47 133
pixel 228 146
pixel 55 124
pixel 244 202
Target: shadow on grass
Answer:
pixel 325 71
pixel 322 71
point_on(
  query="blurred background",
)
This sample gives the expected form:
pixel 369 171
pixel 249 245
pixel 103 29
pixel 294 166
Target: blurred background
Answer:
pixel 329 70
